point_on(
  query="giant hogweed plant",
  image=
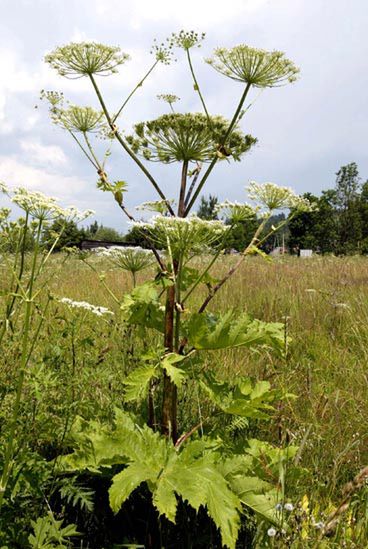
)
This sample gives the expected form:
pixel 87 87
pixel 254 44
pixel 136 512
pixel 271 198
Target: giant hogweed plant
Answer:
pixel 199 464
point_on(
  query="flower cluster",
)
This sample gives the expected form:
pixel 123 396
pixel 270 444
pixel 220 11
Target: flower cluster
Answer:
pixel 187 39
pixel 159 206
pixel 96 310
pixel 187 137
pixel 273 197
pixel 169 98
pixel 42 207
pixel 235 212
pixel 162 52
pixel 129 258
pixel 259 68
pixel 76 60
pixel 80 119
pixel 182 235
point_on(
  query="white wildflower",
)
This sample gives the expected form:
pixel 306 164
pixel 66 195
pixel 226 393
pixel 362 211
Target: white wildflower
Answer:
pixel 289 507
pixel 235 212
pixel 271 532
pixel 278 506
pixel 182 234
pixel 96 310
pixel 319 525
pixel 274 197
pixel 159 206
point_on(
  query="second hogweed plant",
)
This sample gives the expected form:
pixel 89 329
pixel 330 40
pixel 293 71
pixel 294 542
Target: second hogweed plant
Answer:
pixel 199 464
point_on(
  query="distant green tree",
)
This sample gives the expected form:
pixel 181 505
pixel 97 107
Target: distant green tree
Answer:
pixel 318 229
pixel 363 208
pixel 207 207
pixel 70 234
pixel 348 206
pixel 92 229
pixel 242 234
pixel 108 234
pixel 135 237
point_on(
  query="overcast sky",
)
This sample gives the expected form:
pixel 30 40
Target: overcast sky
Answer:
pixel 306 130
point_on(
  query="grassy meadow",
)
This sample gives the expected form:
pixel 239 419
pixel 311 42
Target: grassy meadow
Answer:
pixel 80 362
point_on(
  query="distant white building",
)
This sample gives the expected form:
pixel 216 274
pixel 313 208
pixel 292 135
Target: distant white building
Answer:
pixel 306 253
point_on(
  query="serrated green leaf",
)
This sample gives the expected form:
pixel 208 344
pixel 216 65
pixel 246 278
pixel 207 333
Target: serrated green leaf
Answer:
pixel 142 307
pixel 240 398
pixel 208 331
pixel 177 375
pixel 125 482
pixel 137 382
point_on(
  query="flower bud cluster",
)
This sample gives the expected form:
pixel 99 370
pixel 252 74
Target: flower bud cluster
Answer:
pixel 182 235
pixel 236 212
pixel 274 197
pixel 187 137
pixel 76 60
pixel 253 66
pixel 187 39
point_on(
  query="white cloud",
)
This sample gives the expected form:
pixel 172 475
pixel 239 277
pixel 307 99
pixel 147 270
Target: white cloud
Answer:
pixel 43 155
pixel 194 13
pixel 16 173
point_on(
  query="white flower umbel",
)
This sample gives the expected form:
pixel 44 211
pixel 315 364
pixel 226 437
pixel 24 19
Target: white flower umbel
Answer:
pixel 86 58
pixel 132 259
pixel 182 234
pixel 271 532
pixel 96 310
pixel 42 207
pixel 159 206
pixel 259 68
pixel 274 197
pixel 235 212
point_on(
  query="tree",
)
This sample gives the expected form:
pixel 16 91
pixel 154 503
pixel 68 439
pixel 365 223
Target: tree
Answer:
pixel 68 234
pixel 347 203
pixel 108 234
pixel 207 207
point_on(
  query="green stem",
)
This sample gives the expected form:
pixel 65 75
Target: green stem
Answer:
pixel 223 142
pixel 133 92
pixel 98 165
pixel 23 363
pixel 197 88
pixel 127 148
pixel 83 149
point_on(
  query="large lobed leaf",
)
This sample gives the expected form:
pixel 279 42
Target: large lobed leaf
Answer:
pixel 208 331
pixel 240 398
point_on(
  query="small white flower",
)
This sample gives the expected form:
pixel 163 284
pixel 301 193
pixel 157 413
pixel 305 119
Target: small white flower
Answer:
pixel 271 532
pixel 278 507
pixel 96 310
pixel 289 507
pixel 319 525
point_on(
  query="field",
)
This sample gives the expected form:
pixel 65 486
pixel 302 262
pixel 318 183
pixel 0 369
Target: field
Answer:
pixel 80 362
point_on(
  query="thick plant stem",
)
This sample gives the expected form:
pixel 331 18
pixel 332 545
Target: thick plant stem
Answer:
pixel 223 143
pixel 126 147
pixel 183 186
pixel 169 403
